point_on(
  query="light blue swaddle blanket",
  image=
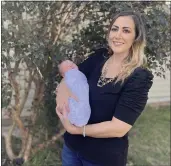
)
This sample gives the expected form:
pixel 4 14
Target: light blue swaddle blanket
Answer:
pixel 80 110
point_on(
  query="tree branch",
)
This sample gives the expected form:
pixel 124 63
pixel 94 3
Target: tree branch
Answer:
pixel 28 148
pixel 18 121
pixel 8 145
pixel 59 27
pixel 68 21
pixel 78 12
pixel 39 88
pixel 17 108
pixel 14 84
pixel 26 91
pixel 47 143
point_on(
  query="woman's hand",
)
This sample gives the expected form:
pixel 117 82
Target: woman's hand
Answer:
pixel 62 95
pixel 66 123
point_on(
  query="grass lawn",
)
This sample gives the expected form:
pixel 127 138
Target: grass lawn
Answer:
pixel 149 142
pixel 150 138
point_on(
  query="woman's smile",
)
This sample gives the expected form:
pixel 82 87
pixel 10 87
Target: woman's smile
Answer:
pixel 116 43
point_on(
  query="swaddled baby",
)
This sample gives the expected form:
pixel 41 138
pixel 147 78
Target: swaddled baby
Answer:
pixel 80 111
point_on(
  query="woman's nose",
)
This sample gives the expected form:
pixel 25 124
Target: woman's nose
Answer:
pixel 118 34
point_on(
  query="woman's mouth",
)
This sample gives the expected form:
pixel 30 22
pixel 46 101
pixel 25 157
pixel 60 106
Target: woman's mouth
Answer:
pixel 117 43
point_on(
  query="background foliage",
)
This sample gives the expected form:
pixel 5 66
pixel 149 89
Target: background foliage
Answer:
pixel 41 34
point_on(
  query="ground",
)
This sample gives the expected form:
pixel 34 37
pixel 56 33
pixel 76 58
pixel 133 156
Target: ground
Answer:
pixel 150 138
pixel 149 142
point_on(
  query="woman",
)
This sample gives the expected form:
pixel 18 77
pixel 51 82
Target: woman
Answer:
pixel 119 85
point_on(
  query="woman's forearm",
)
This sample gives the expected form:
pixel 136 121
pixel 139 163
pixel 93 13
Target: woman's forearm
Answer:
pixel 106 129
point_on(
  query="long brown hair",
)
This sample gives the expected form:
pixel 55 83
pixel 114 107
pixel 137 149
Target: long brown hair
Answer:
pixel 136 57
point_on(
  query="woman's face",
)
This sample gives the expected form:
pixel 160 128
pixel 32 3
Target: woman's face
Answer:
pixel 122 35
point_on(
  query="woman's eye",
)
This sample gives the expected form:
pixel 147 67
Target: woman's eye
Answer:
pixel 126 31
pixel 114 29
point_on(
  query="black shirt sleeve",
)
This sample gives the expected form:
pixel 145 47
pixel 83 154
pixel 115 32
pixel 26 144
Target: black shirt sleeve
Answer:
pixel 89 64
pixel 134 96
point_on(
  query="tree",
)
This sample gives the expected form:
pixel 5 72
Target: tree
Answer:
pixel 32 33
pixel 40 34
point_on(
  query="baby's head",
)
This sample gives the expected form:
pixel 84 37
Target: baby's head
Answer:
pixel 66 66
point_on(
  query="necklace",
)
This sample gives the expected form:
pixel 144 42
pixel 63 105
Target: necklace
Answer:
pixel 102 79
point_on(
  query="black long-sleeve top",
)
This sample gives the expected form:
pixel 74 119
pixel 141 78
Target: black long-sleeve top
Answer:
pixel 124 101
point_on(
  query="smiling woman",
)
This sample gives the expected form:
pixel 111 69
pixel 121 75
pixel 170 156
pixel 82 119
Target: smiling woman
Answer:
pixel 118 92
pixel 122 35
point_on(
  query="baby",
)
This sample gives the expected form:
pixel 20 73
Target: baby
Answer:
pixel 80 111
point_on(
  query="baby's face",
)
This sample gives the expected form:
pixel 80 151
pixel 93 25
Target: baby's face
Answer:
pixel 66 66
